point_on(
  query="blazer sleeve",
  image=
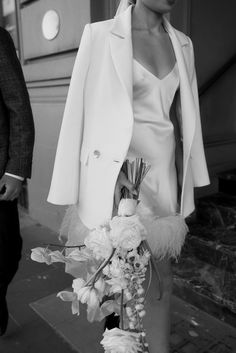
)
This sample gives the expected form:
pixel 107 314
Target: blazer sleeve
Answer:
pixel 18 111
pixel 65 179
pixel 199 166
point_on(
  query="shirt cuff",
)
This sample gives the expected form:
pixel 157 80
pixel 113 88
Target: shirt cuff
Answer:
pixel 15 176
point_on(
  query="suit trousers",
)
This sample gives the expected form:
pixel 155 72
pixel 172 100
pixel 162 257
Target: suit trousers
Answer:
pixel 10 243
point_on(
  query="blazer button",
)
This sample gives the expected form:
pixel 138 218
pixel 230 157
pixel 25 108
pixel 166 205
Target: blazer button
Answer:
pixel 96 154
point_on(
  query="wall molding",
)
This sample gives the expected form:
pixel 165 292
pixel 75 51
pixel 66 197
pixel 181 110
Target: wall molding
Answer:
pixel 220 142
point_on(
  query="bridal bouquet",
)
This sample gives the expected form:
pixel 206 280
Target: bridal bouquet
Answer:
pixel 114 284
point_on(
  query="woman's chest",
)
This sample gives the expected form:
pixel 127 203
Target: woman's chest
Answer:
pixel 154 52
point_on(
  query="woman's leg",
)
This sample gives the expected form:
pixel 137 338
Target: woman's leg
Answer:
pixel 157 318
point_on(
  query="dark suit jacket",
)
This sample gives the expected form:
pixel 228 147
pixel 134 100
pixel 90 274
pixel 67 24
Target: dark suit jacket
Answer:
pixel 16 121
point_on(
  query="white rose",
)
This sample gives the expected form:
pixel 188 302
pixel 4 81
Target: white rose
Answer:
pixel 126 232
pixel 119 341
pixel 127 207
pixel 99 243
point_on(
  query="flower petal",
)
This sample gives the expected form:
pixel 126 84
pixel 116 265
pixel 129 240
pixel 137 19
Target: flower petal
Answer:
pixel 77 284
pixel 67 296
pixel 57 256
pixel 75 307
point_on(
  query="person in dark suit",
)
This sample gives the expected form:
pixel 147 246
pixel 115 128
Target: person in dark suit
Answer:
pixel 16 148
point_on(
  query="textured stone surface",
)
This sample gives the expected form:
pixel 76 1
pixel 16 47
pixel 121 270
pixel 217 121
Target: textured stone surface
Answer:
pixel 193 331
pixel 206 272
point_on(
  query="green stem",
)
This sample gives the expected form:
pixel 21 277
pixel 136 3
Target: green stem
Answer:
pixel 150 279
pixel 153 262
pixel 122 310
pixel 64 246
pixel 101 267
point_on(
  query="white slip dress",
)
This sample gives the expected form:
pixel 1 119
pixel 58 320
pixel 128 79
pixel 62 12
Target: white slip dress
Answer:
pixel 153 140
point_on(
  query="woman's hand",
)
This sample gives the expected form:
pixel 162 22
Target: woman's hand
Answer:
pixel 121 182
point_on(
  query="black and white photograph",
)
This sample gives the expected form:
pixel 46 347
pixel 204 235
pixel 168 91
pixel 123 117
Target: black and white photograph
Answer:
pixel 117 176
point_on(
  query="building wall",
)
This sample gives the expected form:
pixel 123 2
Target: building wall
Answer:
pixel 47 66
pixel 211 26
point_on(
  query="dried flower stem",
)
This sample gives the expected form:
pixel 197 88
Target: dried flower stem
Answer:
pixel 64 246
pixel 135 171
pixel 150 279
pixel 122 310
pixel 153 262
pixel 101 267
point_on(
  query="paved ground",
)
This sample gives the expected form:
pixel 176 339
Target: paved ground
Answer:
pixel 33 332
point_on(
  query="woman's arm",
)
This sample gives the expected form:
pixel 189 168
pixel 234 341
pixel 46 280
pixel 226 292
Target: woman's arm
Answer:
pixel 199 167
pixel 178 142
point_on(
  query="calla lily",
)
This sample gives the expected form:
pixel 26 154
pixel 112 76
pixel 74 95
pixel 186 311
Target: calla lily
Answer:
pixel 70 297
pixel 89 296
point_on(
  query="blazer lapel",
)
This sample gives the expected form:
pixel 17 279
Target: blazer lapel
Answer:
pixel 122 51
pixel 186 95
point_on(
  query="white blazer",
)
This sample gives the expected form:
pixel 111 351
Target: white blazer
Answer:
pixel 98 121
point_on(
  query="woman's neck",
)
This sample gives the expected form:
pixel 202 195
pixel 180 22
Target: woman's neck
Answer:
pixel 145 19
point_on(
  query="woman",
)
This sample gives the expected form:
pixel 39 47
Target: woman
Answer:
pixel 128 73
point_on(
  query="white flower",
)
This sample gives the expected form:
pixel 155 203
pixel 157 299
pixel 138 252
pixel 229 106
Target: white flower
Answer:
pixel 116 267
pixel 77 284
pixel 129 311
pixel 117 284
pixel 70 297
pixel 57 256
pixel 85 294
pixel 100 286
pixel 45 255
pixel 119 341
pixel 106 270
pixel 79 255
pixel 128 295
pixel 88 295
pixel 132 255
pixel 127 207
pixel 99 243
pixel 42 255
pixel 109 307
pixel 126 232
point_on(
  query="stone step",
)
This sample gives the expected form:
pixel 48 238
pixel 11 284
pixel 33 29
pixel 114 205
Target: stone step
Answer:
pixel 217 211
pixel 205 275
pixel 212 235
pixel 227 182
pixel 210 288
pixel 213 251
